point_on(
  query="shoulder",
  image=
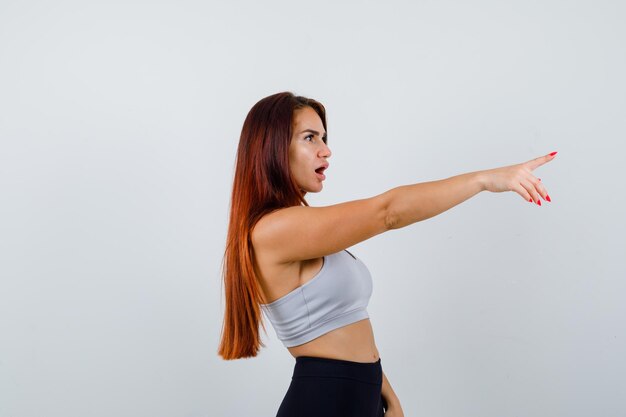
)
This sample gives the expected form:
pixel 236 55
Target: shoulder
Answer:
pixel 274 227
pixel 268 264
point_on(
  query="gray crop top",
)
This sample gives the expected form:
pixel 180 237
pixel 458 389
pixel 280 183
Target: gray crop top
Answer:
pixel 335 297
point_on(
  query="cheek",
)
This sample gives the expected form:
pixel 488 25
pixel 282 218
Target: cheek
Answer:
pixel 295 168
pixel 293 161
pixel 297 159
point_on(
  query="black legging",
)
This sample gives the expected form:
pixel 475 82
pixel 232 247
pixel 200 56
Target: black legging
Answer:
pixel 325 387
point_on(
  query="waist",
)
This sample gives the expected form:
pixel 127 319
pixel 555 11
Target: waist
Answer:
pixel 354 342
pixel 309 366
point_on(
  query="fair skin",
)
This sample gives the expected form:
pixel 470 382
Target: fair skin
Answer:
pixel 289 243
pixel 308 149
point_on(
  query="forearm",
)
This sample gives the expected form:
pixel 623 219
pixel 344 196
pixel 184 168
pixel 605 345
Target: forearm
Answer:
pixel 412 203
pixel 387 392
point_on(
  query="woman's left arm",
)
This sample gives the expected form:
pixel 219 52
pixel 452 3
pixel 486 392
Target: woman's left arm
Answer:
pixel 393 402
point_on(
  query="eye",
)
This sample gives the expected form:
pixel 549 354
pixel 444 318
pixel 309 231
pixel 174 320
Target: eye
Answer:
pixel 324 138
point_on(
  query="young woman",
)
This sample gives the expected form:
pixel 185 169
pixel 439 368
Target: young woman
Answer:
pixel 291 261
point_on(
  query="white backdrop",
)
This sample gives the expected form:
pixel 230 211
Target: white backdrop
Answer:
pixel 119 123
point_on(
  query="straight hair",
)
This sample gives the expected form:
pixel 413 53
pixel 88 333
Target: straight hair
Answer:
pixel 262 184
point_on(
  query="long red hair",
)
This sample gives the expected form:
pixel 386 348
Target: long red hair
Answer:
pixel 262 183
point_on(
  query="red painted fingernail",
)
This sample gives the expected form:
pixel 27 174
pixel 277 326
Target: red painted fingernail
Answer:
pixel 548 198
pixel 553 153
pixel 539 202
pixel 530 200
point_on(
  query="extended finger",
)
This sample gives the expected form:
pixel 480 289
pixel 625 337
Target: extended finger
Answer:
pixel 537 162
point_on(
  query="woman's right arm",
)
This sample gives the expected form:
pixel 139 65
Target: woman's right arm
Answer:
pixel 408 204
pixel 298 233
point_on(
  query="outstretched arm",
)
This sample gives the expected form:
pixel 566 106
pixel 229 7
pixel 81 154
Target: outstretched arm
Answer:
pixel 408 204
pixel 412 203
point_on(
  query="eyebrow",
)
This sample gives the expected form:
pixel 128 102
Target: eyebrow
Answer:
pixel 313 131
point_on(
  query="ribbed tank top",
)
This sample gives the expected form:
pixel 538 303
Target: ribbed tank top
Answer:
pixel 336 296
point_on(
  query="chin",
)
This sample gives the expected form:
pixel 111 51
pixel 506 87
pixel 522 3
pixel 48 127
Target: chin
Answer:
pixel 313 190
pixel 314 187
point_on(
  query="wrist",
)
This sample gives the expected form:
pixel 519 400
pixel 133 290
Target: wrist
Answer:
pixel 481 179
pixel 392 401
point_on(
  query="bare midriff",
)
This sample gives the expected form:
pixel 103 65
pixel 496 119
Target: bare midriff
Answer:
pixel 354 342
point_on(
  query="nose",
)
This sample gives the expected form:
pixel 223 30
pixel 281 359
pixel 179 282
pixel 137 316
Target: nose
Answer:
pixel 326 151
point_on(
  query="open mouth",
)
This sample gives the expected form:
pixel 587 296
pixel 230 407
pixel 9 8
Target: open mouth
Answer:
pixel 320 173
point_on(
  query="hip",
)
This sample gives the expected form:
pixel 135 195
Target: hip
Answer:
pixel 334 388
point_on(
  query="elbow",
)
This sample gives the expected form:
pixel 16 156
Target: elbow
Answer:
pixel 391 219
pixel 390 216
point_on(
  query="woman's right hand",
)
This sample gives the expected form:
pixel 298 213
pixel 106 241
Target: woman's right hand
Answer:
pixel 518 178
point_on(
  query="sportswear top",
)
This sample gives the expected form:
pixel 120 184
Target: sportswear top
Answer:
pixel 336 296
